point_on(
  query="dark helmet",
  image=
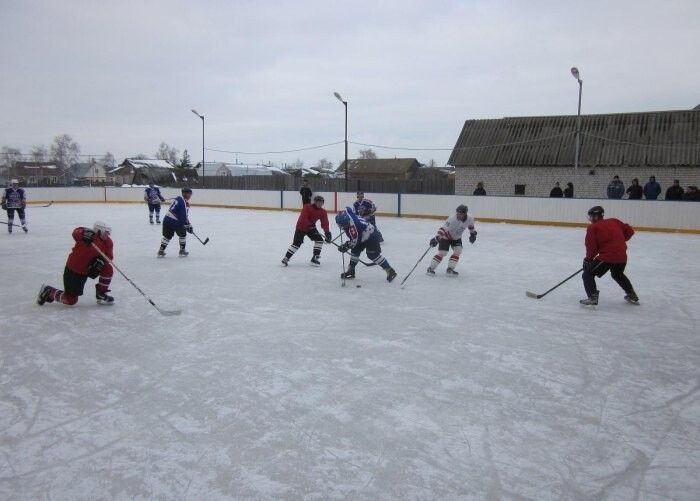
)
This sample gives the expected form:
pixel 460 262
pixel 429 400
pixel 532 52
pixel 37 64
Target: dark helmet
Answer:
pixel 463 209
pixel 151 181
pixel 596 211
pixel 318 198
pixel 186 190
pixel 342 219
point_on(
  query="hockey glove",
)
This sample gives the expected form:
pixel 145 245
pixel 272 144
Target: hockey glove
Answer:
pixel 96 267
pixel 472 238
pixel 344 247
pixel 4 206
pixel 88 235
pixel 162 199
pixel 434 241
pixel 328 237
pixel 587 265
pixel 188 228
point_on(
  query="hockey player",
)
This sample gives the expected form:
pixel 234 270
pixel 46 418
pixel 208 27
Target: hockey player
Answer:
pixel 153 198
pixel 606 249
pixel 84 262
pixel 14 199
pixel 450 235
pixel 365 208
pixel 177 221
pixel 306 227
pixel 361 236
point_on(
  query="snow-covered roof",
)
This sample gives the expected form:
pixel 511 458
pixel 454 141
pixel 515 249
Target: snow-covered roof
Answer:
pixel 148 162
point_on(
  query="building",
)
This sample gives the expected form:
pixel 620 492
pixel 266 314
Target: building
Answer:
pixel 140 171
pixel 39 174
pixel 88 173
pixel 527 155
pixel 381 169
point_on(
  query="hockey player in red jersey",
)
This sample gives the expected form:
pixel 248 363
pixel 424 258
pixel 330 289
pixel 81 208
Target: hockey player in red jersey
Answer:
pixel 306 227
pixel 84 262
pixel 450 235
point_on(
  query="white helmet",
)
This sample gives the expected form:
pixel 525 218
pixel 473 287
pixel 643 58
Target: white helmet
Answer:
pixel 14 181
pixel 102 229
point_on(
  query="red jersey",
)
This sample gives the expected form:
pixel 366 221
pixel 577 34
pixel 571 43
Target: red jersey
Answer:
pixel 605 240
pixel 83 254
pixel 308 217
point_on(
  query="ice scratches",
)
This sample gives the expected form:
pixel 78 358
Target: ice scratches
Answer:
pixel 691 393
pixel 495 489
pixel 637 467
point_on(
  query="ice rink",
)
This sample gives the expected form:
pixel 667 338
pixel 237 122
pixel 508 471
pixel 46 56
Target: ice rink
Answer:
pixel 278 383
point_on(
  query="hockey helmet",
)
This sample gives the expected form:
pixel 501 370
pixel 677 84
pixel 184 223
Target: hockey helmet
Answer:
pixel 462 208
pixel 151 182
pixel 342 219
pixel 102 229
pixel 14 181
pixel 596 211
pixel 319 198
pixel 186 190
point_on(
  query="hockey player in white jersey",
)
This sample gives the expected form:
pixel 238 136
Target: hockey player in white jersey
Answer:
pixel 450 235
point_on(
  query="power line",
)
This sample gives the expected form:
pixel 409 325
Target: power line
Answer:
pixel 272 152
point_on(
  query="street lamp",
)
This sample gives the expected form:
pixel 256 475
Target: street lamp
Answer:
pixel 575 73
pixel 202 117
pixel 345 103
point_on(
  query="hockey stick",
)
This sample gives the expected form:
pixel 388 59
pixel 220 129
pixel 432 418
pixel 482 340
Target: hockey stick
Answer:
pixel 341 243
pixel 43 206
pixel 360 260
pixel 540 296
pixel 206 240
pixel 167 313
pixel 11 224
pixel 414 266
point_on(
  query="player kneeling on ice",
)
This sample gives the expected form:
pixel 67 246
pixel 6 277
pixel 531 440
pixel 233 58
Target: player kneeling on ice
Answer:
pixel 306 227
pixel 177 221
pixel 361 236
pixel 84 262
pixel 606 249
pixel 450 235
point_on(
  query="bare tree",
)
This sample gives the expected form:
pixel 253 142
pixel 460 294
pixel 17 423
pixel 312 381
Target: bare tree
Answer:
pixel 185 162
pixel 10 156
pixel 39 153
pixel 169 153
pixel 298 164
pixel 64 150
pixel 368 153
pixel 107 160
pixel 140 156
pixel 325 164
pixel 432 163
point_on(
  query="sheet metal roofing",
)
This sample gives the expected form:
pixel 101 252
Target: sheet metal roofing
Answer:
pixel 663 138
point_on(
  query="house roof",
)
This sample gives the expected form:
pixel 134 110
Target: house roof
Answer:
pixel 379 165
pixel 242 169
pixel 147 162
pixel 670 138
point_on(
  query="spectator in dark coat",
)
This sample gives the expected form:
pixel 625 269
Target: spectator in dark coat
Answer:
pixel 615 188
pixel 480 189
pixel 306 193
pixel 569 190
pixel 652 189
pixel 692 194
pixel 556 191
pixel 674 192
pixel 634 192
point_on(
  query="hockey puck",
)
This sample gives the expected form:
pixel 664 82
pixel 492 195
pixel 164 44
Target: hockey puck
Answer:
pixel 358 286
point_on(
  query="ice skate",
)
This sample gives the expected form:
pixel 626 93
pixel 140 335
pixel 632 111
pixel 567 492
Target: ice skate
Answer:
pixel 26 230
pixel 390 274
pixel 150 220
pixel 591 300
pixel 161 253
pixel 430 272
pixel 157 220
pixel 285 261
pixel 44 295
pixel 183 253
pixel 451 272
pixel 348 274
pixel 103 298
pixel 315 261
pixel 631 298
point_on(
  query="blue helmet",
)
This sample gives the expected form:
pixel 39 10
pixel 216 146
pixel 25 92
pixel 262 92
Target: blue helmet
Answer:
pixel 342 219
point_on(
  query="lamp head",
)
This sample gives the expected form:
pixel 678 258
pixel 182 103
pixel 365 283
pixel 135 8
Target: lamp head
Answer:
pixel 575 73
pixel 196 113
pixel 339 98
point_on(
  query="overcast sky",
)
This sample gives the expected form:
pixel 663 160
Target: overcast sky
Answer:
pixel 123 76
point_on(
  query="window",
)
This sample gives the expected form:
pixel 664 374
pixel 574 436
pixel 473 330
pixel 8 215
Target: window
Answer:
pixel 519 189
pixel 54 180
pixel 32 179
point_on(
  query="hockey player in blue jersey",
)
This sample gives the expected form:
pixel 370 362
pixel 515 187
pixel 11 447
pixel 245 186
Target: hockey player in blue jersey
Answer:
pixel 177 221
pixel 14 199
pixel 153 198
pixel 365 208
pixel 361 236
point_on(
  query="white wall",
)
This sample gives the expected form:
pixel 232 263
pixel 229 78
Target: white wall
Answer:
pixel 642 214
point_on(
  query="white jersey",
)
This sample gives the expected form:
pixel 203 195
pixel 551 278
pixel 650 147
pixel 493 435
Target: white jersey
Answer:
pixel 454 228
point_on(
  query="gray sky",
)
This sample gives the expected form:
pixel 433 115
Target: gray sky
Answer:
pixel 123 76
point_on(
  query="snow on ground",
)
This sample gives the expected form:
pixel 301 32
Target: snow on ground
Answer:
pixel 278 383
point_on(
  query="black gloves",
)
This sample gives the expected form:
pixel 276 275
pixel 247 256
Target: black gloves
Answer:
pixel 188 228
pixel 328 237
pixel 88 235
pixel 344 247
pixel 434 241
pixel 587 265
pixel 4 205
pixel 162 199
pixel 472 238
pixel 96 267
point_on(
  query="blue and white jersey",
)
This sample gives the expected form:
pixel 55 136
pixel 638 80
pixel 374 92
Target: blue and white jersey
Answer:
pixel 153 196
pixel 14 198
pixel 365 209
pixel 359 231
pixel 178 212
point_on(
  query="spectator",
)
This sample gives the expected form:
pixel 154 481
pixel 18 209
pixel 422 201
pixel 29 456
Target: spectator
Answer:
pixel 569 190
pixel 556 191
pixel 674 192
pixel 480 189
pixel 615 188
pixel 306 193
pixel 634 192
pixel 692 194
pixel 652 189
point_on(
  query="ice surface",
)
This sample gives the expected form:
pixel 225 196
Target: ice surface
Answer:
pixel 278 383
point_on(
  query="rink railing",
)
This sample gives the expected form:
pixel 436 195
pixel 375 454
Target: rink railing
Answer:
pixel 648 215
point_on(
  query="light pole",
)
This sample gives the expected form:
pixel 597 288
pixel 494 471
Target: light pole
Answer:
pixel 202 117
pixel 345 103
pixel 575 73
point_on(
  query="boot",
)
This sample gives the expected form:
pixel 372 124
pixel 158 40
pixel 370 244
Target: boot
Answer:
pixel 285 261
pixel 348 274
pixel 430 272
pixel 452 272
pixel 45 295
pixel 315 261
pixel 631 297
pixel 102 297
pixel 390 274
pixel 592 300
